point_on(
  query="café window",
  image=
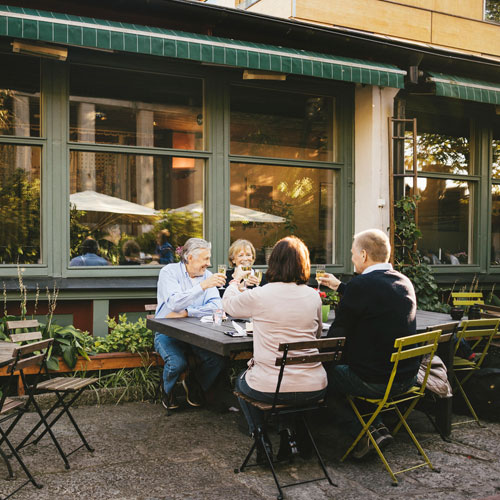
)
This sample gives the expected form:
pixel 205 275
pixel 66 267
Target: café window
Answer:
pixel 492 10
pixel 281 124
pixel 133 109
pixel 495 195
pixel 20 168
pixel 269 202
pixel 445 187
pixel 138 208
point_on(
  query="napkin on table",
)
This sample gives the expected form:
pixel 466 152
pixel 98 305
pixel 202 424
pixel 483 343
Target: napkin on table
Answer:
pixel 240 332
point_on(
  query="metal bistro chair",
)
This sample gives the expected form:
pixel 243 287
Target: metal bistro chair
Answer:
pixel 480 332
pixel 274 410
pixel 15 409
pixel 66 389
pixel 413 346
pixel 467 299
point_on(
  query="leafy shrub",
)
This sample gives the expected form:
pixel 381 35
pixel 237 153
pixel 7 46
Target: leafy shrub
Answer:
pixel 125 336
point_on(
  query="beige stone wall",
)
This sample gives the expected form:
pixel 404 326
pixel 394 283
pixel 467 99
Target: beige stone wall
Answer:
pixel 278 8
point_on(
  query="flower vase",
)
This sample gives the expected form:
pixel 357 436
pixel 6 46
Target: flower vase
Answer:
pixel 325 311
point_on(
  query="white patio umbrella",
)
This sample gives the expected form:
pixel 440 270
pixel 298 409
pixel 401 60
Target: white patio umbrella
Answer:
pixel 236 213
pixel 90 201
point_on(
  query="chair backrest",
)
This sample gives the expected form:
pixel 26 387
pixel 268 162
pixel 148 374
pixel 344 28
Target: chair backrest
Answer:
pixel 489 311
pixel 25 324
pixel 149 308
pixel 331 350
pixel 447 330
pixel 413 346
pixel 481 331
pixel 467 298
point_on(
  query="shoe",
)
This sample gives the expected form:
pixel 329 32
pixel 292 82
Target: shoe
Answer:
pixel 169 401
pixel 194 395
pixel 382 436
pixel 365 447
pixel 288 445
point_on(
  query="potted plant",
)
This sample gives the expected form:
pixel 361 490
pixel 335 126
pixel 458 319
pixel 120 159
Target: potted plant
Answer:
pixel 328 300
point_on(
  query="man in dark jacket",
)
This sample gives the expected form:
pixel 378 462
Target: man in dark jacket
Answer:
pixel 376 307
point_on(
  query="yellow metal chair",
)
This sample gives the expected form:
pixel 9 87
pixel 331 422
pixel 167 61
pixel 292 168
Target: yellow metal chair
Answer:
pixel 479 333
pixel 467 299
pixel 414 346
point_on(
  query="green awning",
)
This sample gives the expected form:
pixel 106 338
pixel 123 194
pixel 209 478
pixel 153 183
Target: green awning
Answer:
pixel 18 22
pixel 465 88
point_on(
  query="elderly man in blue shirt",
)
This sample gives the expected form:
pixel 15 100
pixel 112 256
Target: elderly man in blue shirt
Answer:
pixel 187 288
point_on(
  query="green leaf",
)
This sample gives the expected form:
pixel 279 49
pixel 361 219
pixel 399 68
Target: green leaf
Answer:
pixel 52 364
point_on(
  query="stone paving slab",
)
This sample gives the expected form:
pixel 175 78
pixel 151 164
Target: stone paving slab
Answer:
pixel 142 454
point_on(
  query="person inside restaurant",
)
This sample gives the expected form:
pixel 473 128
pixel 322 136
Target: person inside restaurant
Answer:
pixel 89 255
pixel 376 307
pixel 188 288
pixel 242 253
pixel 284 310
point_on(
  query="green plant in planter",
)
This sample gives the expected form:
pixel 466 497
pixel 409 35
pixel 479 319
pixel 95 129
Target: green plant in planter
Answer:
pixel 408 260
pixel 125 336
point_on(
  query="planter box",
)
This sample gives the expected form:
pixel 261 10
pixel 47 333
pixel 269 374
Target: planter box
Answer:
pixel 105 361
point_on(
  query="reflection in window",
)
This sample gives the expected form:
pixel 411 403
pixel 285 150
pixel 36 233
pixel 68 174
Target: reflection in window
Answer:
pixel 154 201
pixel 20 204
pixel 281 124
pixel 444 215
pixel 134 109
pixel 495 224
pixel 492 10
pixel 19 96
pixel 269 202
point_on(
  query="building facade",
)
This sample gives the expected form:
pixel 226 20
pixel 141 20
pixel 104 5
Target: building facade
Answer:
pixel 141 124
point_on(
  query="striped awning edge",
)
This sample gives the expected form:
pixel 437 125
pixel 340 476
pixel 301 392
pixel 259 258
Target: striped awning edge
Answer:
pixel 465 88
pixel 19 22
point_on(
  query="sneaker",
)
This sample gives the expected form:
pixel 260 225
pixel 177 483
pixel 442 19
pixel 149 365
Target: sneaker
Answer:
pixel 288 445
pixel 169 401
pixel 382 436
pixel 193 391
pixel 363 448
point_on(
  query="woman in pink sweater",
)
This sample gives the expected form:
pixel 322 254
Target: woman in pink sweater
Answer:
pixel 283 310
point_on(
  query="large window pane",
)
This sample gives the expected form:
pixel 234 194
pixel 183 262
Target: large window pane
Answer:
pixel 495 224
pixel 270 202
pixel 282 124
pixel 20 204
pixel 443 145
pixel 444 217
pixel 116 198
pixel 135 109
pixel 19 96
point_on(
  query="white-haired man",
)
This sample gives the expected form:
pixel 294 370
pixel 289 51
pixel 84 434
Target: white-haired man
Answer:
pixel 376 307
pixel 187 288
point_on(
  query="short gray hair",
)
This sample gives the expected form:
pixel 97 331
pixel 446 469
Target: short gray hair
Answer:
pixel 375 243
pixel 193 247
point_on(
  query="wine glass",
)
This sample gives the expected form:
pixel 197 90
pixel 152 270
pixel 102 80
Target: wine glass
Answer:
pixel 258 275
pixel 320 271
pixel 245 268
pixel 221 269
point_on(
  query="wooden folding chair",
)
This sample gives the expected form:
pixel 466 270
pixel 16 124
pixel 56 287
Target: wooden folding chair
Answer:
pixel 66 389
pixel 15 409
pixel 479 332
pixel 414 346
pixel 274 410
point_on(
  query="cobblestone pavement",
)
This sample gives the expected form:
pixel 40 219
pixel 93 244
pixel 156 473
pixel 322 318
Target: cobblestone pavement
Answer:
pixel 142 454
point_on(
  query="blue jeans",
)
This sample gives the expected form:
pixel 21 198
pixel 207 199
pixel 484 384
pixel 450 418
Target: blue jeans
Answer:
pixel 254 416
pixel 342 380
pixel 173 352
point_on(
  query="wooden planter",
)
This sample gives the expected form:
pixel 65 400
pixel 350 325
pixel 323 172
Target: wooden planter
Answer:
pixel 105 361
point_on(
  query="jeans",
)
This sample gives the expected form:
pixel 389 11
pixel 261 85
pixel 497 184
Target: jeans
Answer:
pixel 173 352
pixel 254 416
pixel 342 380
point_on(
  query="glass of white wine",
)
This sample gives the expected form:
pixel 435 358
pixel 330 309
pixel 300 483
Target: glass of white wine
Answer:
pixel 258 275
pixel 246 268
pixel 320 271
pixel 221 269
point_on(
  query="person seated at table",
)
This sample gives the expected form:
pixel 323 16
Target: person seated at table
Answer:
pixel 164 251
pixel 284 310
pixel 376 307
pixel 89 255
pixel 131 254
pixel 187 288
pixel 242 253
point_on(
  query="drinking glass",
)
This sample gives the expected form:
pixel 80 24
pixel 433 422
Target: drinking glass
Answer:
pixel 258 275
pixel 245 268
pixel 221 269
pixel 320 271
pixel 218 316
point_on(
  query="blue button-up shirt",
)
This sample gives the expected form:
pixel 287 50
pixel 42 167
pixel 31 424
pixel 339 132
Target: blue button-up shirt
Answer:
pixel 178 291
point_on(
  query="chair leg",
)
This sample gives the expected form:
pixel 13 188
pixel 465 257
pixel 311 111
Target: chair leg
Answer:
pixel 320 459
pixel 247 458
pixel 7 463
pixel 468 403
pixel 260 437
